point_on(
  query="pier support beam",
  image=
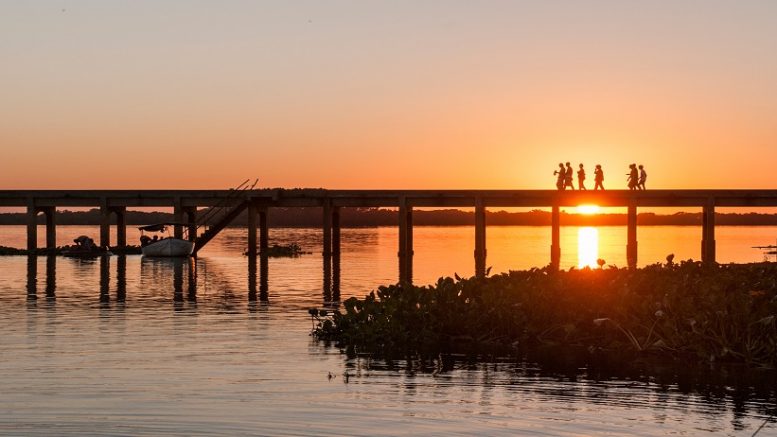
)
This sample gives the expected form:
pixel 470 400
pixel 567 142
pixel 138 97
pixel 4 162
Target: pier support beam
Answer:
pixel 105 225
pixel 480 238
pixel 191 221
pixel 51 227
pixel 555 238
pixel 177 218
pixel 708 233
pixel 327 249
pixel 32 228
pixel 631 237
pixel 252 216
pixel 335 253
pixel 121 227
pixel 405 252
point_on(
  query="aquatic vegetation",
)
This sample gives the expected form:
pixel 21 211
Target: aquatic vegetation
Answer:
pixel 686 311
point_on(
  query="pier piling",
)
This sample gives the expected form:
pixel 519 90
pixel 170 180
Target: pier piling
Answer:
pixel 121 226
pixel 105 224
pixel 405 253
pixel 177 218
pixel 51 227
pixel 191 222
pixel 480 238
pixel 708 233
pixel 631 236
pixel 32 228
pixel 555 238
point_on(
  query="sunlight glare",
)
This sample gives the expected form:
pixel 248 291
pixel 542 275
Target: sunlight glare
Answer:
pixel 587 247
pixel 587 209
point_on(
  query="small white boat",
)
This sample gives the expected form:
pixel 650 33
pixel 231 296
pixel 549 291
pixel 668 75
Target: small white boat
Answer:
pixel 166 246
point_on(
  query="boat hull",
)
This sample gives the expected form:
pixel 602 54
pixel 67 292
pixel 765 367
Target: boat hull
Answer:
pixel 169 247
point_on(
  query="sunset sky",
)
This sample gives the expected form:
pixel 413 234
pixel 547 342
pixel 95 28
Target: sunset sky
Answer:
pixel 394 94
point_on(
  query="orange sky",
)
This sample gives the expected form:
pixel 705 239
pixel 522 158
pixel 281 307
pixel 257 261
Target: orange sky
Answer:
pixel 355 94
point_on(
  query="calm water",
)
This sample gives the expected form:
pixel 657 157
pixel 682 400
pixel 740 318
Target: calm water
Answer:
pixel 132 346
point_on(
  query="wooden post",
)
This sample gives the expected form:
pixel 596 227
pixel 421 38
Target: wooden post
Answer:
pixel 32 228
pixel 252 212
pixel 191 221
pixel 555 238
pixel 409 239
pixel 631 236
pixel 480 238
pixel 405 252
pixel 327 249
pixel 105 224
pixel 708 233
pixel 335 253
pixel 121 227
pixel 177 218
pixel 51 228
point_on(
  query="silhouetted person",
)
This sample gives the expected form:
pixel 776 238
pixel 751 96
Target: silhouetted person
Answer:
pixel 156 238
pixel 642 177
pixel 144 240
pixel 598 177
pixel 568 177
pixel 561 175
pixel 581 178
pixel 633 177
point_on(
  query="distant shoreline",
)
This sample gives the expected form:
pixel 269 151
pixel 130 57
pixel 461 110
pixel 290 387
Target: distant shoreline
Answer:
pixel 375 217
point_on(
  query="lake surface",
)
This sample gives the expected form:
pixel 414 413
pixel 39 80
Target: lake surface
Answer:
pixel 134 346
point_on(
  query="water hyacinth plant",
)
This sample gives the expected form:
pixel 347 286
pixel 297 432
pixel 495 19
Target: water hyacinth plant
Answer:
pixel 685 311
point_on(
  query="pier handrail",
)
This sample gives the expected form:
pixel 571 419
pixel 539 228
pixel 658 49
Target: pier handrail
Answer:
pixel 224 204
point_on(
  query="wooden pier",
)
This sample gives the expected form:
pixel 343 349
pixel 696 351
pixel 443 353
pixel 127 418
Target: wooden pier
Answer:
pixel 258 203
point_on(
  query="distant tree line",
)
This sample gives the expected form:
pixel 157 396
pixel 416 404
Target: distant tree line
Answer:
pixel 370 217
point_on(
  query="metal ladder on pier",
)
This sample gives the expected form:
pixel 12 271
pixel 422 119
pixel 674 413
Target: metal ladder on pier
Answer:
pixel 221 215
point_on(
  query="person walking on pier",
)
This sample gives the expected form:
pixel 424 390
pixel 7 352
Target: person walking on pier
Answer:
pixel 642 177
pixel 581 178
pixel 561 172
pixel 569 176
pixel 598 177
pixel 633 177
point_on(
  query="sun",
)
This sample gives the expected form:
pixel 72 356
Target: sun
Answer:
pixel 588 209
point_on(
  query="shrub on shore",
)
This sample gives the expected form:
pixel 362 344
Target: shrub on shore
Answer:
pixel 687 311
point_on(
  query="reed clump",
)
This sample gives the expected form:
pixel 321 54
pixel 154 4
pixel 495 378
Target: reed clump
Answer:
pixel 685 312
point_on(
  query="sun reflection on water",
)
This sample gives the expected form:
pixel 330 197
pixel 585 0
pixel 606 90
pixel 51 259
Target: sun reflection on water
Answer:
pixel 587 247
